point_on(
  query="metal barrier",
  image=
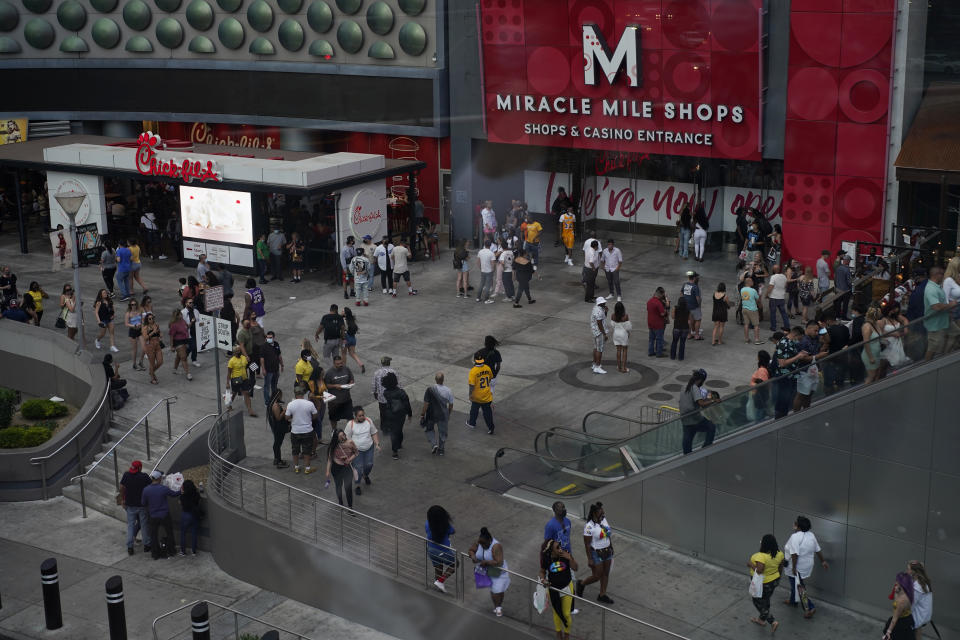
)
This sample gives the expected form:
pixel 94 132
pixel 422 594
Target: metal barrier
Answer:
pixel 43 460
pixel 226 610
pixel 394 552
pixel 180 437
pixel 145 420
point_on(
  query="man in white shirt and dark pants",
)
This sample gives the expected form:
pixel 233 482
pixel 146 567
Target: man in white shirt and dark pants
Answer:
pixel 612 258
pixel 591 262
pixel 301 414
pixel 486 258
pixel 777 295
pixel 799 552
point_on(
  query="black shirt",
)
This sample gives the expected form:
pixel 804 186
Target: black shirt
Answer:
pixel 493 360
pixel 332 324
pixel 342 375
pixel 270 353
pixel 134 483
pixel 10 281
pixel 839 337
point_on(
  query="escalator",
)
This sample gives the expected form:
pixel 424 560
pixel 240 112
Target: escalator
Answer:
pixel 608 448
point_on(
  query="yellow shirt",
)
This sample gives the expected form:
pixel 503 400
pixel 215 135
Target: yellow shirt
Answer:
pixel 303 369
pixel 533 232
pixel 567 220
pixel 238 367
pixel 37 299
pixel 134 253
pixel 480 376
pixel 771 565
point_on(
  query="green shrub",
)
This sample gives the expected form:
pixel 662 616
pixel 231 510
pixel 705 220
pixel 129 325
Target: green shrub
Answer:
pixel 39 408
pixel 21 437
pixel 8 399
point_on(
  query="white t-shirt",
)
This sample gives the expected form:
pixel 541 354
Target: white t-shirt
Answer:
pixel 590 257
pixel 301 412
pixel 779 283
pixel 586 244
pixel 952 289
pixel 400 255
pixel 361 433
pixel 148 222
pixel 922 607
pixel 486 258
pixel 599 533
pixel 611 259
pixel 506 259
pixel 489 217
pixel 804 544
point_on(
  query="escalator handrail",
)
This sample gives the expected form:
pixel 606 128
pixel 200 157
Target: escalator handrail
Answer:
pixel 503 450
pixel 575 435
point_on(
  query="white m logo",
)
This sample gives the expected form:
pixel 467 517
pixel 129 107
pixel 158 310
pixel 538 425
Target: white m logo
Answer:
pixel 596 53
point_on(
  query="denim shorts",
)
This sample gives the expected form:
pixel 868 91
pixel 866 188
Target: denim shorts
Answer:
pixel 596 557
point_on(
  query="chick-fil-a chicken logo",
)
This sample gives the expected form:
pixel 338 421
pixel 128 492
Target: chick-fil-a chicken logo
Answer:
pixel 148 164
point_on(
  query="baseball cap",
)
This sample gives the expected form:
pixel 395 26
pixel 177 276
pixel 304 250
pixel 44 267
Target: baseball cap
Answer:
pixel 368 237
pixel 601 300
pixel 14 303
pixel 692 273
pixel 135 466
pixel 385 361
pixel 155 475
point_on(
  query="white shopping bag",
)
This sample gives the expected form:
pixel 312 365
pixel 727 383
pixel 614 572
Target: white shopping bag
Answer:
pixel 173 481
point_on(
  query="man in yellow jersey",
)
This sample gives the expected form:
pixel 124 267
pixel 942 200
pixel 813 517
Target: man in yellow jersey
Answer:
pixel 481 395
pixel 566 234
pixel 531 241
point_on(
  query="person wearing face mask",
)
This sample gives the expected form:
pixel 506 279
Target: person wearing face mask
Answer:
pixel 271 365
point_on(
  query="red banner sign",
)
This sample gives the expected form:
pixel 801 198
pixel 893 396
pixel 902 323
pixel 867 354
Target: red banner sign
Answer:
pixel 149 164
pixel 660 76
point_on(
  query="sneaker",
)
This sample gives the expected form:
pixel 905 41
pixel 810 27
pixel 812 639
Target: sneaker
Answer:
pixel 489 432
pixel 440 453
pixel 383 291
pixel 517 306
pixel 507 300
pixel 489 301
pixel 499 612
pixel 459 295
pixel 435 450
pixel 412 292
pixel 190 377
pixel 439 586
pixel 531 301
pixel 366 304
pixel 296 468
pixel 308 470
pixel 359 491
pixel 182 553
pixel 478 300
pixel 281 464
pixel 115 350
pixel 395 456
pixel 470 426
pixel 366 480
pixel 578 588
pixel 359 303
pixel 605 599
pixel 619 298
pixel 599 370
pixel 346 296
pixel 97 344
pixel 129 551
pixel 177 372
pixel 195 364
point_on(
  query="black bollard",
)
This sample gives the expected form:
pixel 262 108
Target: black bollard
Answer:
pixel 200 621
pixel 271 635
pixel 116 611
pixel 50 579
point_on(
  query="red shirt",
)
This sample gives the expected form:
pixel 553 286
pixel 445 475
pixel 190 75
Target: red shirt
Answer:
pixel 655 314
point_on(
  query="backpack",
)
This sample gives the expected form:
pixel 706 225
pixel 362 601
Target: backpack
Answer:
pixel 396 402
pixel 457 261
pixel 118 398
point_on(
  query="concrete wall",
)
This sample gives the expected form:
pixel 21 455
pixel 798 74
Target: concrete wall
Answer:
pixel 877 474
pixel 43 363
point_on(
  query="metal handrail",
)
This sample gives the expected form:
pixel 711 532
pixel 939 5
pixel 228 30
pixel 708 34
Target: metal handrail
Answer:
pixel 561 464
pixel 42 460
pixel 113 449
pixel 579 436
pixel 236 619
pixel 216 486
pixel 180 437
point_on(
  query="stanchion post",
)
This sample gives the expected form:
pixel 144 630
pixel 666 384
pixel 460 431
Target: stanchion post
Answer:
pixel 200 621
pixel 50 579
pixel 116 611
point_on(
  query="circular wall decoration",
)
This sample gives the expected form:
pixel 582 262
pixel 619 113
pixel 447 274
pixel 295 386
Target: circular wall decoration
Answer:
pixel 38 33
pixel 260 15
pixel 350 36
pixel 200 15
pixel 139 44
pixel 349 7
pixel 289 6
pixel 320 16
pixel 381 51
pixel 262 47
pixel 230 5
pixel 413 39
pixel 169 33
pixel 412 7
pixel 74 44
pixel 201 44
pixel 380 18
pixel 37 6
pixel 167 5
pixel 9 45
pixel 136 14
pixel 104 6
pixel 231 33
pixel 9 18
pixel 322 49
pixel 71 15
pixel 106 33
pixel 291 35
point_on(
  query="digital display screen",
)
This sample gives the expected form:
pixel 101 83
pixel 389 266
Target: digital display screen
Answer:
pixel 216 215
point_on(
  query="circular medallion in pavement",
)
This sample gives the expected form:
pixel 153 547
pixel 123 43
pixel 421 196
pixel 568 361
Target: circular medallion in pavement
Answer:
pixel 672 387
pixel 581 375
pixel 661 397
pixel 718 384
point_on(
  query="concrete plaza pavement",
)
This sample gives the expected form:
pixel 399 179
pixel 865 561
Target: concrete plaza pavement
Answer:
pixel 545 382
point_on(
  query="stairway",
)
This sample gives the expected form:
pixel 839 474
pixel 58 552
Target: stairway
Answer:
pixel 100 486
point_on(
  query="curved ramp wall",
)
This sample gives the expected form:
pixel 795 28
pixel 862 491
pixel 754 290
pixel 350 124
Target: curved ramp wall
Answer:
pixel 44 363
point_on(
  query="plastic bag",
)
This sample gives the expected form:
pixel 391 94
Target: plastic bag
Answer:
pixel 540 599
pixel 756 585
pixel 173 481
pixel 227 398
pixel 481 579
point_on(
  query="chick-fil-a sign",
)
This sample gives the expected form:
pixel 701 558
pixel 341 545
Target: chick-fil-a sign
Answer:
pixel 149 164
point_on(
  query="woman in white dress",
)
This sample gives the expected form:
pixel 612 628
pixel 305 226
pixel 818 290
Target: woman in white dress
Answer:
pixel 893 327
pixel 487 554
pixel 621 335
